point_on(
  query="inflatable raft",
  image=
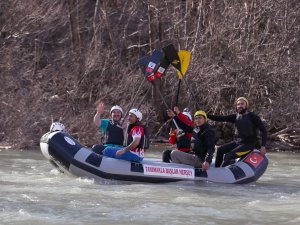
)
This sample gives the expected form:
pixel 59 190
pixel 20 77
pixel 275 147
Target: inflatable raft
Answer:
pixel 68 155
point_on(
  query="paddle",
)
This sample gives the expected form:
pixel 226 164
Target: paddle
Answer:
pixel 164 101
pixel 156 67
pixel 184 57
pixel 143 63
pixel 164 64
pixel 153 65
pixel 173 58
pixel 180 61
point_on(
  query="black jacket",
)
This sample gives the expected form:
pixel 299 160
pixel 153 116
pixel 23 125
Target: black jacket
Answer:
pixel 202 141
pixel 245 127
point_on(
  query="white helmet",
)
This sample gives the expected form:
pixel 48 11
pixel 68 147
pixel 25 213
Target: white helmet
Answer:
pixel 187 114
pixel 137 113
pixel 116 107
pixel 57 126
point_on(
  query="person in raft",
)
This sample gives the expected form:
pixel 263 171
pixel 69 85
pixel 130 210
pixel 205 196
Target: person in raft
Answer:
pixel 246 124
pixel 202 142
pixel 178 137
pixel 111 128
pixel 134 150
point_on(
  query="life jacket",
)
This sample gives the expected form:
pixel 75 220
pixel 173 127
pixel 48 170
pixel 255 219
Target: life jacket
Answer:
pixel 245 129
pixel 130 138
pixel 183 141
pixel 114 133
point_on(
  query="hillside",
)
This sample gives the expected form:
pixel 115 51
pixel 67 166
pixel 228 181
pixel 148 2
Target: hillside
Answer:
pixel 58 58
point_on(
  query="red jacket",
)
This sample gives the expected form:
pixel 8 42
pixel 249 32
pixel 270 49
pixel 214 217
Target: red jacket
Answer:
pixel 185 147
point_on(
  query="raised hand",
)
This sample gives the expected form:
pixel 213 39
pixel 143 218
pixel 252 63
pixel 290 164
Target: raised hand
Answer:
pixel 170 113
pixel 100 107
pixel 172 132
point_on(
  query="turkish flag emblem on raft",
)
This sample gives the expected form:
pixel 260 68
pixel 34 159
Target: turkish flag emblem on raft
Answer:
pixel 254 159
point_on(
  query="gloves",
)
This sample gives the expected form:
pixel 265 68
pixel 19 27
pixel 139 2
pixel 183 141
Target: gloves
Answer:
pixel 172 132
pixel 180 133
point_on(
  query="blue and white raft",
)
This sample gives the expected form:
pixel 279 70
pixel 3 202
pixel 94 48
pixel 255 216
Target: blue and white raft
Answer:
pixel 68 155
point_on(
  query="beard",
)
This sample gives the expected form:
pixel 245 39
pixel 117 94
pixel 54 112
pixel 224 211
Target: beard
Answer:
pixel 241 110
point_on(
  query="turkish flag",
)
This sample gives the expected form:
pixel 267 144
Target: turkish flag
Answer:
pixel 254 159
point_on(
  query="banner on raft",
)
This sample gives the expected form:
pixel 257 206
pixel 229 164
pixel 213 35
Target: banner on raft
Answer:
pixel 169 171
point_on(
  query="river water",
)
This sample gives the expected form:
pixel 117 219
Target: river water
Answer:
pixel 33 192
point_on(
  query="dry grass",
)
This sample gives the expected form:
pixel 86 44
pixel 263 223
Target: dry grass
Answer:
pixel 58 58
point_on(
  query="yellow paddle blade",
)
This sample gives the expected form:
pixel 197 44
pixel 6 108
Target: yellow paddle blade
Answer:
pixel 184 57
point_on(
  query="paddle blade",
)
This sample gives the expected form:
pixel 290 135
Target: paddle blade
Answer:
pixel 172 56
pixel 184 57
pixel 153 65
pixel 162 68
pixel 143 63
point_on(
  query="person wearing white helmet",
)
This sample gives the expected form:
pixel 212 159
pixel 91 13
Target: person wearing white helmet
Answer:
pixel 111 128
pixel 57 126
pixel 186 112
pixel 181 139
pixel 134 150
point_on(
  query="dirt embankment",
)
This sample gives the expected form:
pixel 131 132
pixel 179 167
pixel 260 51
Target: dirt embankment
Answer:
pixel 58 58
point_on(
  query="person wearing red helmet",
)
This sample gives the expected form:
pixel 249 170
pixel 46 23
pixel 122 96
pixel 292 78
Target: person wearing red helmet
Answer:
pixel 246 124
pixel 178 137
pixel 134 147
pixel 111 128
